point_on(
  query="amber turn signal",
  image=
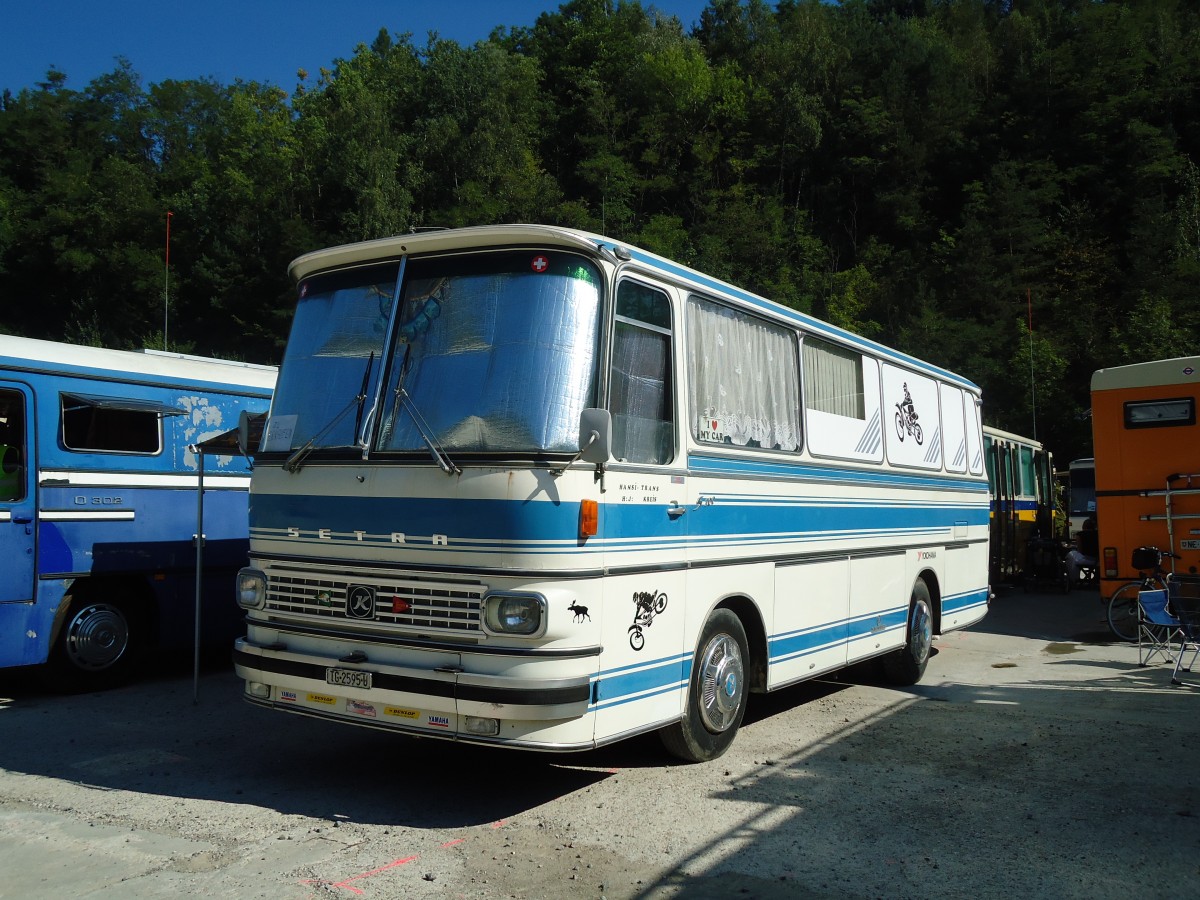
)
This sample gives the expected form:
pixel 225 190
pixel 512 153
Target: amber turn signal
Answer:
pixel 589 517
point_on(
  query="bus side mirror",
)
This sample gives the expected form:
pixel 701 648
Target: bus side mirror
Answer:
pixel 243 432
pixel 595 436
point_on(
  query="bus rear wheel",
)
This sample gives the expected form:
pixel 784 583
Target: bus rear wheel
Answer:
pixel 906 666
pixel 96 648
pixel 717 692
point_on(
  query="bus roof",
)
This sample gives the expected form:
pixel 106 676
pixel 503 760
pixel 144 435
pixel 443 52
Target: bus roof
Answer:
pixel 451 239
pixel 29 354
pixel 1161 372
pixel 990 432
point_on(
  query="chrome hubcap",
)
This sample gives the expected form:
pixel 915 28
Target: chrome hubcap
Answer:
pixel 721 675
pixel 97 636
pixel 921 633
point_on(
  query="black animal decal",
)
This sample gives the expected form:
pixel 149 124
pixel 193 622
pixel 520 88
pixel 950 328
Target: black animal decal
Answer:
pixel 581 612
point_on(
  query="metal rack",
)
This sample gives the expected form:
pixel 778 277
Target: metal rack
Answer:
pixel 1190 487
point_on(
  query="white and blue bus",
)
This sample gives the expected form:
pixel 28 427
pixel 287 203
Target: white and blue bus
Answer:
pixel 528 486
pixel 99 475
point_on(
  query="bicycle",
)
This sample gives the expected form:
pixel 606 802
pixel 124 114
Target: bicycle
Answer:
pixel 1123 605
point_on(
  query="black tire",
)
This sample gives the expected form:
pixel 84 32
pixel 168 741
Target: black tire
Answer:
pixel 1123 611
pixel 716 701
pixel 906 666
pixel 900 427
pixel 98 647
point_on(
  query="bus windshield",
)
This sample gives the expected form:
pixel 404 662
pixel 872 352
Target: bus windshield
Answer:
pixel 490 352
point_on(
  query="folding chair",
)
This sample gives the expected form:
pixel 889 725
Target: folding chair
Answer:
pixel 1187 612
pixel 1158 629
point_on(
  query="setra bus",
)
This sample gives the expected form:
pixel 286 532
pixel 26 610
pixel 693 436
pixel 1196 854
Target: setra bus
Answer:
pixel 98 504
pixel 528 486
pixel 1021 480
pixel 1144 436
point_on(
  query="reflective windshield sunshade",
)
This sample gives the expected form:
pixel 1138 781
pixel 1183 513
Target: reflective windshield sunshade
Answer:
pixel 335 346
pixel 494 352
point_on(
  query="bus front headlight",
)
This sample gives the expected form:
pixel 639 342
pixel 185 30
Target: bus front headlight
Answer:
pixel 251 589
pixel 513 613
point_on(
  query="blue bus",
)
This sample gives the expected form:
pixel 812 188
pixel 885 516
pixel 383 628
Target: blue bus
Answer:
pixel 99 471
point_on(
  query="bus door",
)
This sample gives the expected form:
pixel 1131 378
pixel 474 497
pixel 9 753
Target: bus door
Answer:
pixel 644 525
pixel 17 501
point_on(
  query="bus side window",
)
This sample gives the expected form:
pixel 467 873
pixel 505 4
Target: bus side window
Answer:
pixel 12 444
pixel 640 390
pixel 743 378
pixel 1028 473
pixel 88 424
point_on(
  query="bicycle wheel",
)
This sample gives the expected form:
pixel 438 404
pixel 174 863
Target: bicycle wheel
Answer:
pixel 1123 609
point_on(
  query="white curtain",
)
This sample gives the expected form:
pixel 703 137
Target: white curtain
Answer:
pixel 641 396
pixel 745 385
pixel 833 379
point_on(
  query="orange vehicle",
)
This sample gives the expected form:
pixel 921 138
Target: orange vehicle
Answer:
pixel 1147 446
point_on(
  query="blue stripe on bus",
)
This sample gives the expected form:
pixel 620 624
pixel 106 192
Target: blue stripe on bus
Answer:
pixel 802 643
pixel 1022 505
pixel 722 465
pixel 504 525
pixel 637 682
pixel 969 600
pixel 628 684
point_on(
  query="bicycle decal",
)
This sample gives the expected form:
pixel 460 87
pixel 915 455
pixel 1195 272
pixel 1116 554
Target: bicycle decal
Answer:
pixel 906 418
pixel 647 606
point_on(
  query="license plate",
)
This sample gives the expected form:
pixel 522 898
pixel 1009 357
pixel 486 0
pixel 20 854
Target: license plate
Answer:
pixel 1189 545
pixel 352 678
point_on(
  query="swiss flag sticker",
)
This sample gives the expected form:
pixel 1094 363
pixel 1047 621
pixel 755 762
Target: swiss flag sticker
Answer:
pixel 540 264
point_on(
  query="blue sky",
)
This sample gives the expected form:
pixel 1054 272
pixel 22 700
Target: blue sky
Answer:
pixel 254 40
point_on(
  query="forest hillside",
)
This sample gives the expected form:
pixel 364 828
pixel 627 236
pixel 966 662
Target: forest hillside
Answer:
pixel 1007 189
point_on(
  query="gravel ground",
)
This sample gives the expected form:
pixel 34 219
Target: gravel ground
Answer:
pixel 1035 759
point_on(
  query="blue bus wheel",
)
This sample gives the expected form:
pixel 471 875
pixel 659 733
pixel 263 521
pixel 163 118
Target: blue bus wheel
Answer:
pixel 96 647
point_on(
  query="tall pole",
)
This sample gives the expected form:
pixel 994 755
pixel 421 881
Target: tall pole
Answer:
pixel 1032 383
pixel 167 281
pixel 199 539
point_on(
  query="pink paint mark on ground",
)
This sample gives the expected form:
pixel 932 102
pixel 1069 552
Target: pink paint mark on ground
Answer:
pixel 345 883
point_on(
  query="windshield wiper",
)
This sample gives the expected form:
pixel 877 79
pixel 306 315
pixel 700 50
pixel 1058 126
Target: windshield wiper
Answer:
pixel 296 460
pixel 360 439
pixel 423 429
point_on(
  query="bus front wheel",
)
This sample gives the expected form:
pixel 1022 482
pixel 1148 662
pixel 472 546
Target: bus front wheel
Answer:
pixel 717 692
pixel 906 665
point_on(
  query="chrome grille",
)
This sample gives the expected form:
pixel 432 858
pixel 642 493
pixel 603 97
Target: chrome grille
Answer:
pixel 410 604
